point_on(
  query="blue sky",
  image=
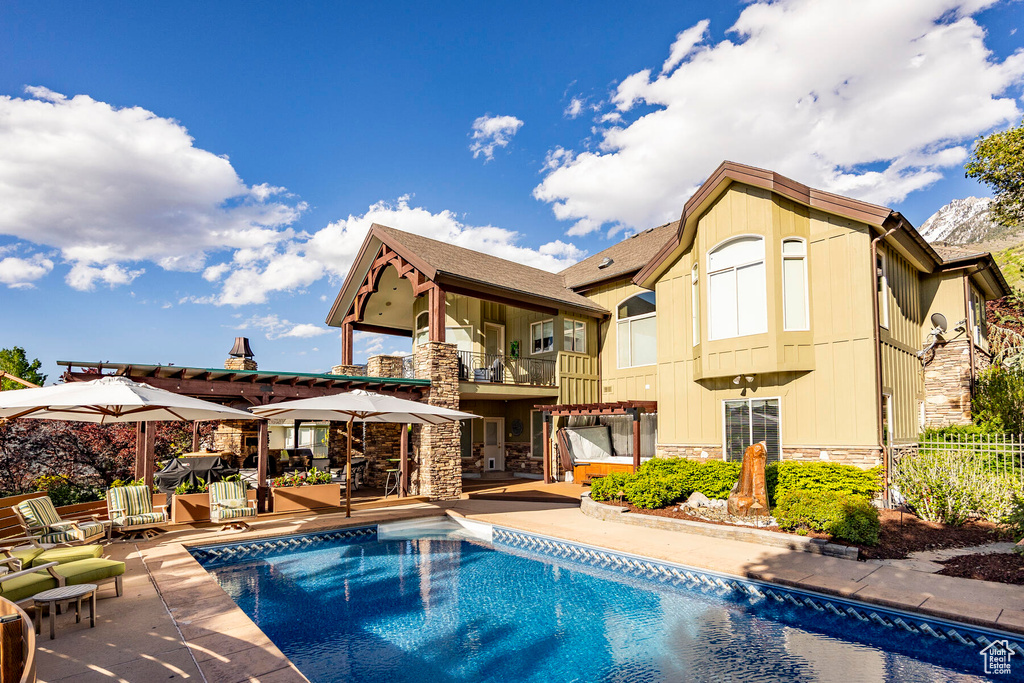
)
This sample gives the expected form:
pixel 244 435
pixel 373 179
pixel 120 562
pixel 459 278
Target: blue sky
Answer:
pixel 173 176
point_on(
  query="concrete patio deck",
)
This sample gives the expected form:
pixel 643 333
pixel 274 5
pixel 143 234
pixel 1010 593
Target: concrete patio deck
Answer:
pixel 175 623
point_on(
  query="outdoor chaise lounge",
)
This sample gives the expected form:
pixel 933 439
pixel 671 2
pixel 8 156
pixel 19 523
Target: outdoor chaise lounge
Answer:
pixel 40 518
pixel 130 509
pixel 229 504
pixel 21 585
pixel 31 553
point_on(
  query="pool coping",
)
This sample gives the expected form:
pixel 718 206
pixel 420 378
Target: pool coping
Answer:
pixel 609 512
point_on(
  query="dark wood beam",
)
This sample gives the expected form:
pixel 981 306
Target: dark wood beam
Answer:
pixel 377 329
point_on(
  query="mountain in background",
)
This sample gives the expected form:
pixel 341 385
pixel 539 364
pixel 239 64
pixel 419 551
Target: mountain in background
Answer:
pixel 968 223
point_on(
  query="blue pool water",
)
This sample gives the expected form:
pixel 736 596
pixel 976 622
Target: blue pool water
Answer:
pixel 458 609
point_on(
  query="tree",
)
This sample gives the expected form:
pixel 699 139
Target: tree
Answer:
pixel 998 161
pixel 15 361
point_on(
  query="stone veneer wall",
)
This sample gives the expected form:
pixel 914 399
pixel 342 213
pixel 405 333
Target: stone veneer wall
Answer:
pixel 240 364
pixel 347 370
pixel 518 460
pixel 440 460
pixel 230 436
pixel 383 441
pixel 861 457
pixel 947 383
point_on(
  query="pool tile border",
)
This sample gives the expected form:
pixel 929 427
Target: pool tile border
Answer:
pixel 757 591
pixel 207 554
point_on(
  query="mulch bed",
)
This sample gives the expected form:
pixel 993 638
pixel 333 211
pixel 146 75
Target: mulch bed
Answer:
pixel 896 540
pixel 1001 567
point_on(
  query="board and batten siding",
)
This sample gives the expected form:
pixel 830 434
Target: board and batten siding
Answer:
pixel 624 384
pixel 824 377
pixel 902 373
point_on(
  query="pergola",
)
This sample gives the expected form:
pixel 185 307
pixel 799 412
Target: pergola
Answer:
pixel 632 408
pixel 237 388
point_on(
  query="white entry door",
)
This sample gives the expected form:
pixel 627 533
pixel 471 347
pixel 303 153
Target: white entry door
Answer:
pixel 494 443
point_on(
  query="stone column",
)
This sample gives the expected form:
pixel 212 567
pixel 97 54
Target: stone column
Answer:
pixel 947 385
pixel 440 460
pixel 240 364
pixel 383 441
pixel 348 370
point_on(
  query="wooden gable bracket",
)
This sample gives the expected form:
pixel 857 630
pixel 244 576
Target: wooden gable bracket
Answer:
pixel 385 257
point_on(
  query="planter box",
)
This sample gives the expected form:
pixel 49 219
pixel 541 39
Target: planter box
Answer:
pixel 194 507
pixel 159 499
pixel 300 498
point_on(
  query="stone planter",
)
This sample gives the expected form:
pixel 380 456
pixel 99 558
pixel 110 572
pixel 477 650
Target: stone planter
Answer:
pixel 301 498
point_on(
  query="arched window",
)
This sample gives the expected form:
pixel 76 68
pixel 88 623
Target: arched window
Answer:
pixel 422 329
pixel 737 298
pixel 637 331
pixel 794 285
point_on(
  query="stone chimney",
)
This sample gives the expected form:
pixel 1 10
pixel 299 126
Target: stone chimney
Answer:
pixel 241 356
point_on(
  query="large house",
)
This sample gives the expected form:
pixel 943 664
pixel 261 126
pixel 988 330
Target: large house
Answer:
pixel 769 311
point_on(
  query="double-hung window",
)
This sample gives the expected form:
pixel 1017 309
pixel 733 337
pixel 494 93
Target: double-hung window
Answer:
pixel 748 421
pixel 737 295
pixel 794 284
pixel 422 329
pixel 882 277
pixel 977 314
pixel 575 336
pixel 637 328
pixel 543 336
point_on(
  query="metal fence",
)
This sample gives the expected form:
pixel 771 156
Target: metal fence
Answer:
pixel 409 367
pixel 1000 454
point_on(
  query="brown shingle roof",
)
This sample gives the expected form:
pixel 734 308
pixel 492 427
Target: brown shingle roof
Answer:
pixel 950 252
pixel 474 266
pixel 628 256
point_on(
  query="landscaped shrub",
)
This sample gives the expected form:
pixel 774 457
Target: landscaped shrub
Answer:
pixel 849 517
pixel 1012 521
pixel 783 477
pixel 608 487
pixel 998 400
pixel 652 491
pixel 951 485
pixel 63 491
pixel 714 478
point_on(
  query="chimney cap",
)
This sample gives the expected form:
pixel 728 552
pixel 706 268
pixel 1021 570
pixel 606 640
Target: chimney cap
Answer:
pixel 241 348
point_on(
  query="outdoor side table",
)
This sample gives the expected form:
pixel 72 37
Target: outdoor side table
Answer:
pixel 53 596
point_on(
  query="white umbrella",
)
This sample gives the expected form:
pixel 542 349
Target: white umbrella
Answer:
pixel 108 400
pixel 360 406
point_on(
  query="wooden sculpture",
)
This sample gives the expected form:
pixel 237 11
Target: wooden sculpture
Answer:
pixel 751 485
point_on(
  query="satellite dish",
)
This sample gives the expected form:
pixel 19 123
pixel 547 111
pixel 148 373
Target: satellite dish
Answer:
pixel 939 322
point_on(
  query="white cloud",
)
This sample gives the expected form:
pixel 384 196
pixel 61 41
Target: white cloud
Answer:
pixel 575 108
pixel 490 132
pixel 111 187
pixel 366 344
pixel 292 266
pixel 276 327
pixel 873 99
pixel 22 272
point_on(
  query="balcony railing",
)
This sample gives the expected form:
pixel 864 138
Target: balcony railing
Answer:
pixel 497 369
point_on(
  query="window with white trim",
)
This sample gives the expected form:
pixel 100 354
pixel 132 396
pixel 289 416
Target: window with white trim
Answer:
pixel 695 305
pixel 882 270
pixel 887 424
pixel 636 331
pixel 422 329
pixel 543 336
pixel 574 336
pixel 748 421
pixel 737 294
pixel 794 285
pixel 977 315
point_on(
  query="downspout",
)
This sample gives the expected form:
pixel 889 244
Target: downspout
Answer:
pixel 970 329
pixel 878 354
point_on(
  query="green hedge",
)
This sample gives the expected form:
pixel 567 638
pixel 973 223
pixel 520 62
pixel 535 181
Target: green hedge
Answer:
pixel 849 517
pixel 663 481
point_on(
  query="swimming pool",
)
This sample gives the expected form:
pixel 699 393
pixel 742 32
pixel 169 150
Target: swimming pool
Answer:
pixel 440 603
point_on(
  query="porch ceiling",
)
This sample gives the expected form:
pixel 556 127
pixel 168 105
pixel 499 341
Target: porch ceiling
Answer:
pixel 391 305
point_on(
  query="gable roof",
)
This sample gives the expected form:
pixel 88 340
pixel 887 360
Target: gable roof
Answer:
pixel 627 257
pixel 464 271
pixel 907 240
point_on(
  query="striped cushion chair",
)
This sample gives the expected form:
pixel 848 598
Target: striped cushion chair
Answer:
pixel 230 505
pixel 41 519
pixel 131 511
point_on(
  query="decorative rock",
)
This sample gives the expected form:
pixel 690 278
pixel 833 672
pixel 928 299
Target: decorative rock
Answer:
pixel 698 500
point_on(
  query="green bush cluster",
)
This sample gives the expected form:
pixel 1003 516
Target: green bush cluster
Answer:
pixel 950 485
pixel 1012 522
pixel 608 487
pixel 784 477
pixel 63 491
pixel 849 517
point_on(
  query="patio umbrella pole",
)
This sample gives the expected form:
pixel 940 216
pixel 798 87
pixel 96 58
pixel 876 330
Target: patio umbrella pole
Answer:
pixel 348 471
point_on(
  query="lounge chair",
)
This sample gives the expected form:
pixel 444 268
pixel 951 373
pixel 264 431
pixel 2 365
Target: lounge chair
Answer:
pixel 229 504
pixel 31 553
pixel 130 509
pixel 40 518
pixel 21 585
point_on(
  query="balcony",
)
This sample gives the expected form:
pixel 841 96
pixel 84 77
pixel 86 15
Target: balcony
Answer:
pixel 488 368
